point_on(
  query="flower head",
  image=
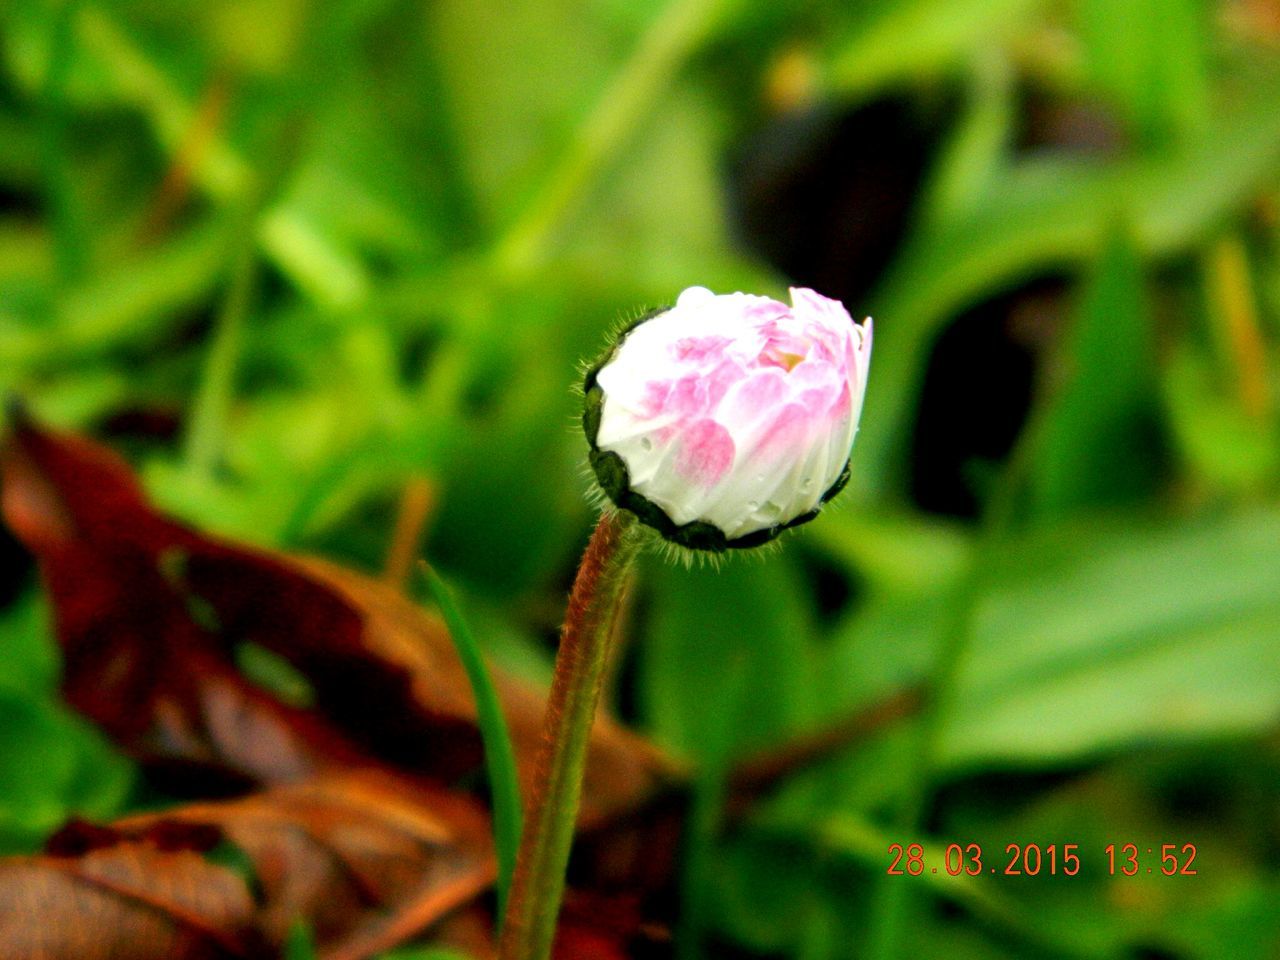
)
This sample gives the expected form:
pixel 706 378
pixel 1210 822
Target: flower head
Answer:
pixel 728 418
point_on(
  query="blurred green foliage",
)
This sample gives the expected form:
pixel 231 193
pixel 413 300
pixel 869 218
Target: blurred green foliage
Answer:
pixel 335 246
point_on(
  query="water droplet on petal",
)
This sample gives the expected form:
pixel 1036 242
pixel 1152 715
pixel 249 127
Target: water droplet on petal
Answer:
pixel 771 511
pixel 694 296
pixel 646 444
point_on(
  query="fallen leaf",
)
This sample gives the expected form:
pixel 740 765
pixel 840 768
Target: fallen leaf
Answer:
pixel 152 617
pixel 368 860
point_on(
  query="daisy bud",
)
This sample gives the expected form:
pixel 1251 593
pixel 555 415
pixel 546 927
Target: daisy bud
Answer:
pixel 726 419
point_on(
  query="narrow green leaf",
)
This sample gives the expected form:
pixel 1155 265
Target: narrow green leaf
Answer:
pixel 941 32
pixel 206 434
pixel 976 150
pixel 1223 446
pixel 499 756
pixel 67 220
pixel 299 943
pixel 1149 57
pixel 1101 440
pixel 423 953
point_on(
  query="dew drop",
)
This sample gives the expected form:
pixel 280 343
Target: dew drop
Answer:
pixel 753 504
pixel 646 444
pixel 771 511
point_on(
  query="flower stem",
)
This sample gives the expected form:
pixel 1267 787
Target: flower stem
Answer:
pixel 552 811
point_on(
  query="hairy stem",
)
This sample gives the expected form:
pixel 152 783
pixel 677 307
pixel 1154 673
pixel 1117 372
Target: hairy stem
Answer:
pixel 552 810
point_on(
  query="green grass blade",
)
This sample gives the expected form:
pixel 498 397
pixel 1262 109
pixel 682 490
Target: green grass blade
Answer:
pixel 299 944
pixel 499 757
pixel 66 220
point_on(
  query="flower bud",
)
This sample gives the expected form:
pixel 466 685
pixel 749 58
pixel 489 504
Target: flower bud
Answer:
pixel 726 419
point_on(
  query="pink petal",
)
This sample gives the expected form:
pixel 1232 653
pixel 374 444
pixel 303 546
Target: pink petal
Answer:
pixel 706 453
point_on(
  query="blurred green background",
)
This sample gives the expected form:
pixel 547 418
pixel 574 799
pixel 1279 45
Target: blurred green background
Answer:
pixel 290 256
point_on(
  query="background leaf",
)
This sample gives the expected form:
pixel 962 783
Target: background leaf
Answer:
pixel 1100 442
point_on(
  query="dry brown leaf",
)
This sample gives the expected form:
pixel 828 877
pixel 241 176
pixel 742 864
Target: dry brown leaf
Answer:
pixel 150 615
pixel 368 860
